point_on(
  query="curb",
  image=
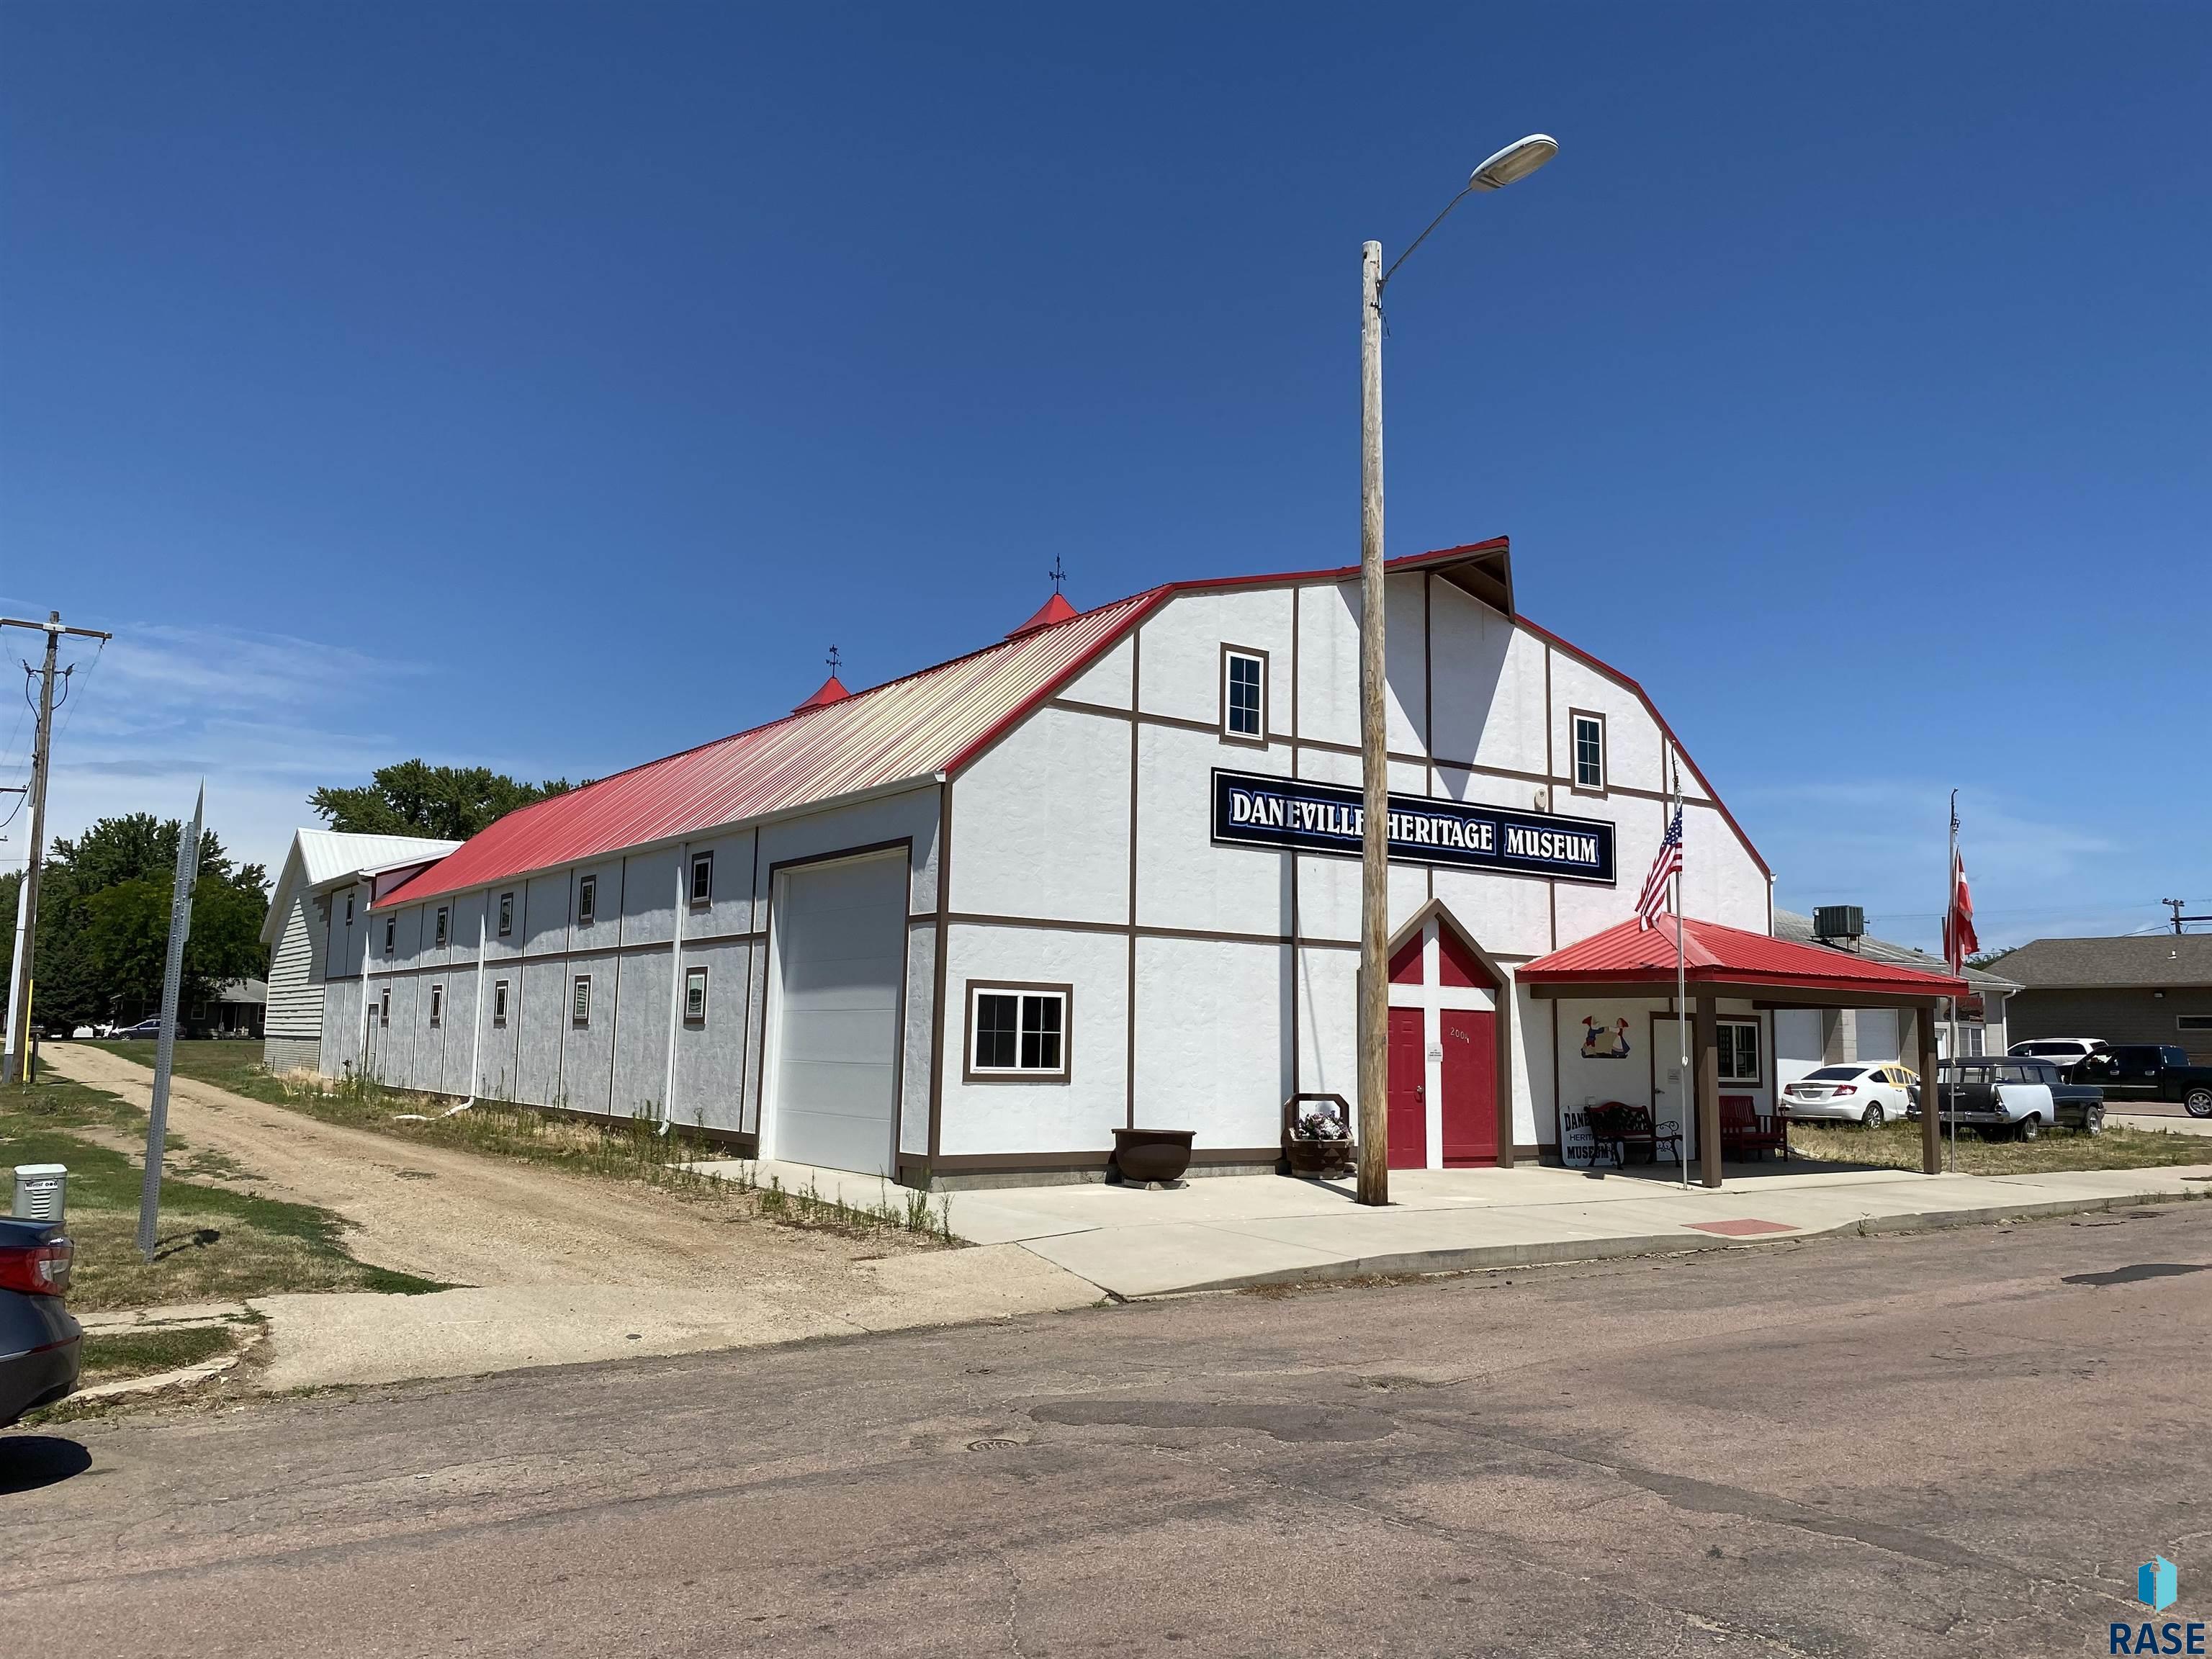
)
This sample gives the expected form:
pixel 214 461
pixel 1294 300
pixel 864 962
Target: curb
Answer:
pixel 1564 1252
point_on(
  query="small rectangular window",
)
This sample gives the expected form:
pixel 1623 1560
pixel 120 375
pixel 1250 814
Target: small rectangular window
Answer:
pixel 1739 1051
pixel 348 909
pixel 580 1005
pixel 587 901
pixel 703 878
pixel 441 924
pixel 1018 1031
pixel 695 997
pixel 383 1011
pixel 1588 751
pixel 499 1002
pixel 390 933
pixel 1244 695
pixel 2192 1021
pixel 437 1005
pixel 505 915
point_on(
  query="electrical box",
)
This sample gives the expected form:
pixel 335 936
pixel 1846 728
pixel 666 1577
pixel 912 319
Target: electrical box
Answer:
pixel 1838 921
pixel 40 1190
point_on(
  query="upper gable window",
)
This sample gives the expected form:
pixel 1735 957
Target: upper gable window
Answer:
pixel 1244 695
pixel 587 901
pixel 505 915
pixel 703 878
pixel 1589 731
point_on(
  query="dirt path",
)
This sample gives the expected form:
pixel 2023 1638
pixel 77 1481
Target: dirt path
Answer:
pixel 468 1218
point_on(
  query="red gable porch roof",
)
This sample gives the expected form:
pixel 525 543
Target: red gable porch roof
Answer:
pixel 1712 954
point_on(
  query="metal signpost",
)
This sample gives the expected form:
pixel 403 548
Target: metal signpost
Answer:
pixel 157 1120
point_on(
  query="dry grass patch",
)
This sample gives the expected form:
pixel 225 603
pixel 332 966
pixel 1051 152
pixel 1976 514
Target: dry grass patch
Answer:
pixel 1897 1146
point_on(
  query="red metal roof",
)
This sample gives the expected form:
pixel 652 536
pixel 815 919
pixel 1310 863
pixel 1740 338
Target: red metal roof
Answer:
pixel 1712 954
pixel 910 728
pixel 830 690
pixel 1054 610
pixel 930 722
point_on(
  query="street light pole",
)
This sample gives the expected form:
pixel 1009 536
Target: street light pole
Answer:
pixel 1516 160
pixel 1374 1184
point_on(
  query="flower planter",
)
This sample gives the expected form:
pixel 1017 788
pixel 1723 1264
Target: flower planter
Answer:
pixel 1146 1155
pixel 1316 1158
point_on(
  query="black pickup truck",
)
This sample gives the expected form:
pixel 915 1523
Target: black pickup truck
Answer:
pixel 2143 1071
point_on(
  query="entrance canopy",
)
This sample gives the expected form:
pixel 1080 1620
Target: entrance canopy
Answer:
pixel 1717 963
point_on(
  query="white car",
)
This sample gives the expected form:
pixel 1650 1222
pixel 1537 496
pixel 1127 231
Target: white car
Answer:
pixel 1870 1093
pixel 2064 1053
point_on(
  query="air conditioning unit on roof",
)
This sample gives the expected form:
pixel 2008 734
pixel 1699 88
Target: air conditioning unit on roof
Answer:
pixel 1838 921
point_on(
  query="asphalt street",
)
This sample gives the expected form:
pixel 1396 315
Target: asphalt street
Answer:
pixel 1957 1442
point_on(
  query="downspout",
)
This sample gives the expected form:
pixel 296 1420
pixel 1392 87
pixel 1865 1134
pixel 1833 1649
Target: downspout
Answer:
pixel 476 1037
pixel 675 984
pixel 361 1054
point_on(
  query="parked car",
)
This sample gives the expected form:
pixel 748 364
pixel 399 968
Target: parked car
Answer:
pixel 2145 1071
pixel 2065 1052
pixel 39 1341
pixel 148 1028
pixel 2014 1097
pixel 1866 1093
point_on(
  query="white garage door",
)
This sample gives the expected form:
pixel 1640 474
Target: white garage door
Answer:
pixel 841 942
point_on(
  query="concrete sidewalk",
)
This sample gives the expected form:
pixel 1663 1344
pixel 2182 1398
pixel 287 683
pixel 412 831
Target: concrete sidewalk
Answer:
pixel 1224 1232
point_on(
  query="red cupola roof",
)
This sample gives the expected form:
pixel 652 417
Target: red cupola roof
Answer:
pixel 833 691
pixel 1055 609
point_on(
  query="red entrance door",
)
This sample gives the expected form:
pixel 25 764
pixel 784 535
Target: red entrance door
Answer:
pixel 1409 1101
pixel 1470 1084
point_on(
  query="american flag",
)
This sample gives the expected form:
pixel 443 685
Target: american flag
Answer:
pixel 1668 863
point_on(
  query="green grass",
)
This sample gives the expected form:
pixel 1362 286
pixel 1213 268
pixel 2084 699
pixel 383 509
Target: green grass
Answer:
pixel 1896 1145
pixel 619 1149
pixel 213 1243
pixel 110 1357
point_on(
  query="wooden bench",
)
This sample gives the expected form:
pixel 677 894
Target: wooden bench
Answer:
pixel 1745 1128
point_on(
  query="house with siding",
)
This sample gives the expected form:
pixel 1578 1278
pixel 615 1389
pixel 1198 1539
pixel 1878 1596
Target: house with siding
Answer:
pixel 2151 987
pixel 320 864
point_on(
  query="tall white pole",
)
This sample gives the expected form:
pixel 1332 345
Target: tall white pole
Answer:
pixel 1681 1000
pixel 165 1051
pixel 14 1065
pixel 1374 1184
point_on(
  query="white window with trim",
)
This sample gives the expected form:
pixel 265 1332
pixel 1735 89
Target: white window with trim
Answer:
pixel 1588 740
pixel 443 916
pixel 1018 1031
pixel 499 1002
pixel 384 1008
pixel 587 901
pixel 505 915
pixel 694 996
pixel 703 879
pixel 437 1005
pixel 1738 1040
pixel 391 934
pixel 580 1001
pixel 1244 695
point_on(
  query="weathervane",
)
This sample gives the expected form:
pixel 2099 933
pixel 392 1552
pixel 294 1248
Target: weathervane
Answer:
pixel 832 660
pixel 1057 575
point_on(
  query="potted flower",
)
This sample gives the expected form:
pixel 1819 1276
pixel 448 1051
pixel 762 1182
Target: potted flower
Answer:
pixel 1317 1134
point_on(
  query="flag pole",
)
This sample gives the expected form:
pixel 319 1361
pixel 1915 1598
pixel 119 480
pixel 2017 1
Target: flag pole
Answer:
pixel 1681 1000
pixel 1951 955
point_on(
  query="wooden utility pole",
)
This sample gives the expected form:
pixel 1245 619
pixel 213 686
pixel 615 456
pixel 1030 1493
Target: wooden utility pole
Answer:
pixel 1374 1185
pixel 15 1040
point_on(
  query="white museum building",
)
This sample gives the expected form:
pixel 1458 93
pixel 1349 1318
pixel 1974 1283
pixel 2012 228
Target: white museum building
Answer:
pixel 1101 874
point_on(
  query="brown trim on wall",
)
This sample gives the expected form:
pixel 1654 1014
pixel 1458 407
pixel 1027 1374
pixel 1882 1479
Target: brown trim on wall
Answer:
pixel 1129 987
pixel 937 991
pixel 1298 1067
pixel 969 919
pixel 1046 1162
pixel 1428 705
pixel 1551 760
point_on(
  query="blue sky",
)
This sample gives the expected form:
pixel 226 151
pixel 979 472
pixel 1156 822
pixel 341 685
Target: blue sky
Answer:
pixel 549 386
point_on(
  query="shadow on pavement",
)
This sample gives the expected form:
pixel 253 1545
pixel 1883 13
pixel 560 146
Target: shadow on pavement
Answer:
pixel 28 1461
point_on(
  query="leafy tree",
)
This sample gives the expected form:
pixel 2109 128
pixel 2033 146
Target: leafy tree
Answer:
pixel 1988 960
pixel 104 922
pixel 413 798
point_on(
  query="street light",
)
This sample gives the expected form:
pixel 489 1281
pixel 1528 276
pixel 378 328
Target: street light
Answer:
pixel 1515 161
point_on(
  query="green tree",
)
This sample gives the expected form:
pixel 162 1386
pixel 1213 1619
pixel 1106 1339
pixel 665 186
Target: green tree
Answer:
pixel 104 920
pixel 414 797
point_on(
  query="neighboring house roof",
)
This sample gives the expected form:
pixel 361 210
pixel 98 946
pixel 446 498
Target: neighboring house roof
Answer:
pixel 926 726
pixel 1788 924
pixel 2142 960
pixel 319 857
pixel 1714 955
pixel 242 990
